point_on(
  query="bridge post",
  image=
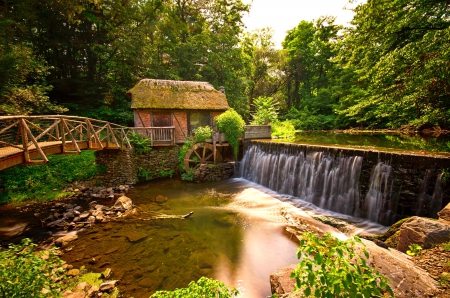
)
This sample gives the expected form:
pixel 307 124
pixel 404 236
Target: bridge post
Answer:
pixel 24 135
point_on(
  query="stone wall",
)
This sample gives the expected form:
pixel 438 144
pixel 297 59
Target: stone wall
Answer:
pixel 214 172
pixel 160 162
pixel 115 167
pixel 125 167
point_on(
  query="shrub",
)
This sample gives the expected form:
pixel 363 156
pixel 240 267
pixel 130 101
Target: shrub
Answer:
pixel 265 108
pixel 141 144
pixel 202 133
pixel 283 129
pixel 204 287
pixel 232 124
pixel 24 273
pixel 330 267
pixel 414 249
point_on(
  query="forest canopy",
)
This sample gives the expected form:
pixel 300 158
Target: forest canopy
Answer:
pixel 389 69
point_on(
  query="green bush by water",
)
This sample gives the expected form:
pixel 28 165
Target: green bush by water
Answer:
pixel 232 124
pixel 332 268
pixel 25 273
pixel 204 287
pixel 45 182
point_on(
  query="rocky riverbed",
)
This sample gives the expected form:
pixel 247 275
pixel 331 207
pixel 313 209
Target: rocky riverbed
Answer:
pixel 88 206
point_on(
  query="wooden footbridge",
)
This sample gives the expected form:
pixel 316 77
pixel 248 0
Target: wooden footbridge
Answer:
pixel 30 139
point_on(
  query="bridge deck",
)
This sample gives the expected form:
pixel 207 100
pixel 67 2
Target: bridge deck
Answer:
pixel 29 139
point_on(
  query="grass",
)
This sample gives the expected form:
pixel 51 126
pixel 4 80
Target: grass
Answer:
pixel 45 182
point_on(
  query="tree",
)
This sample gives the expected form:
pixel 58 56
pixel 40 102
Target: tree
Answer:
pixel 400 52
pixel 311 69
pixel 265 78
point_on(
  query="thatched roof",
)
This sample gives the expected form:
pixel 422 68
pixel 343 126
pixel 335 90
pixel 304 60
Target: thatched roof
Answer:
pixel 179 95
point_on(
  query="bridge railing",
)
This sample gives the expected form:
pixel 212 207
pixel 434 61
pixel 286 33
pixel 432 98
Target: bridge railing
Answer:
pixel 25 133
pixel 159 136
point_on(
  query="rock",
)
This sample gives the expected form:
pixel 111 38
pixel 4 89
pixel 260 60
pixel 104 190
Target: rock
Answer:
pixel 422 231
pixel 63 241
pixel 108 286
pixel 100 207
pixel 73 272
pixel 70 294
pixel 91 219
pixel 84 286
pixel 123 203
pixel 84 215
pixel 444 214
pixel 56 223
pixel 107 273
pixel 407 280
pixel 69 215
pixel 380 243
pixel 281 281
pixel 92 292
pixel 160 199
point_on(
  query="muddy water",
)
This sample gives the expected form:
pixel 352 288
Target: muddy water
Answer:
pixel 235 235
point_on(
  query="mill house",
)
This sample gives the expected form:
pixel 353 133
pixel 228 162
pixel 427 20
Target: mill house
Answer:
pixel 171 110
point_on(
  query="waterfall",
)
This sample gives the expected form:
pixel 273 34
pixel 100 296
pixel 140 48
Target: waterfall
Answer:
pixel 328 181
pixel 378 190
pixel 382 187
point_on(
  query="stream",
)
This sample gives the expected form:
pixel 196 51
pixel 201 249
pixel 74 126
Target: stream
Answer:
pixel 236 235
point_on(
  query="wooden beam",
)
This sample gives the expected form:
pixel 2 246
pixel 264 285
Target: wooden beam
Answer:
pixel 74 142
pixel 36 144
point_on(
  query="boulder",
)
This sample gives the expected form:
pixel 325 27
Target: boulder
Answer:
pixel 281 281
pixel 422 231
pixel 123 203
pixel 108 286
pixel 444 214
pixel 406 280
pixel 73 272
pixel 63 241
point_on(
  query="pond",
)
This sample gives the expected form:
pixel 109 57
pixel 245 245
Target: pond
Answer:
pixel 218 240
pixel 375 140
pixel 236 234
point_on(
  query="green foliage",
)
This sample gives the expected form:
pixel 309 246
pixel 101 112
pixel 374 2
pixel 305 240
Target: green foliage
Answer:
pixel 141 144
pixel 202 133
pixel 25 273
pixel 446 246
pixel 283 129
pixel 265 110
pixel 399 61
pixel 143 174
pixel 330 267
pixel 232 124
pixel 189 176
pixel 444 279
pixel 414 249
pixel 307 120
pixel 164 174
pixel 204 287
pixel 188 143
pixel 45 182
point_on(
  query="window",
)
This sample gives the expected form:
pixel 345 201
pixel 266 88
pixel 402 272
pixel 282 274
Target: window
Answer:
pixel 160 119
pixel 197 119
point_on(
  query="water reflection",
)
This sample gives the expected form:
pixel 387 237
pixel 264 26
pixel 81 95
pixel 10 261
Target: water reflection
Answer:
pixel 219 240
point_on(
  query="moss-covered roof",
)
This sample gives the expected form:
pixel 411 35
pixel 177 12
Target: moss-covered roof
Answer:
pixel 177 95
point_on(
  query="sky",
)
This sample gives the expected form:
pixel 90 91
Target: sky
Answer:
pixel 283 15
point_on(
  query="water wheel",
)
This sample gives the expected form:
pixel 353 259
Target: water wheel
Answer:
pixel 201 153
